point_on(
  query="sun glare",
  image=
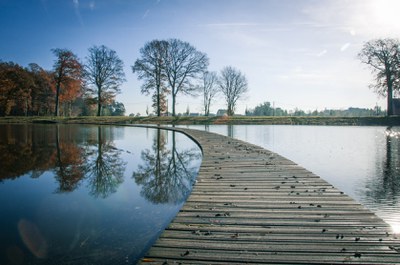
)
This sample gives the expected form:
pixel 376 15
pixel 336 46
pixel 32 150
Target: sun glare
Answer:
pixel 385 12
pixel 396 228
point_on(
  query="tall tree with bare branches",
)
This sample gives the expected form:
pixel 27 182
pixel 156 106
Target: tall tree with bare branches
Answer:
pixel 209 89
pixel 233 85
pixel 151 68
pixel 104 72
pixel 183 64
pixel 383 55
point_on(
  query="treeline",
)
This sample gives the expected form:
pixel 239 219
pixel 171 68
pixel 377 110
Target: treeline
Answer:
pixel 166 68
pixel 265 109
pixel 174 67
pixel 70 88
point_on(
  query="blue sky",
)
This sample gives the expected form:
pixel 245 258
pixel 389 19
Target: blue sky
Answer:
pixel 295 53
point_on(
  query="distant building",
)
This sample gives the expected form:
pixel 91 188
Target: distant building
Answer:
pixel 396 106
pixel 222 112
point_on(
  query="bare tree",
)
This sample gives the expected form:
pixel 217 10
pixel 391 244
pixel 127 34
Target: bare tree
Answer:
pixel 233 85
pixel 183 63
pixel 167 173
pixel 209 89
pixel 104 71
pixel 383 55
pixel 151 68
pixel 67 74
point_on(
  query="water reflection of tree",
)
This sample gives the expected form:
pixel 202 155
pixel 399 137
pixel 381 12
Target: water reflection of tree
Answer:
pixel 167 175
pixel 386 187
pixel 68 162
pixel 230 130
pixel 103 165
pixel 19 152
pixel 73 156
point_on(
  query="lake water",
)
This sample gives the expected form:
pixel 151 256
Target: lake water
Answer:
pixel 77 194
pixel 364 162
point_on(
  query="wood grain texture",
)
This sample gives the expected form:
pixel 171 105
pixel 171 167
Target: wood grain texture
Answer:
pixel 250 205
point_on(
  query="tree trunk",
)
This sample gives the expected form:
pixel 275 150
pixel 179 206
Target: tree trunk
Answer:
pixel 158 103
pixel 173 104
pixel 390 102
pixel 205 105
pixel 56 112
pixel 230 110
pixel 98 101
pixel 208 107
pixel 26 107
pixel 98 108
pixel 69 108
pixel 389 96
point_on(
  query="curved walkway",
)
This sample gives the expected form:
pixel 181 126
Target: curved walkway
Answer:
pixel 250 205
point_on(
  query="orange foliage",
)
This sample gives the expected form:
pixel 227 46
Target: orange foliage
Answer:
pixel 68 74
pixel 15 88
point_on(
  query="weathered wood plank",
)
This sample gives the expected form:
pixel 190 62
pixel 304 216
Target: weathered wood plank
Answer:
pixel 269 257
pixel 380 233
pixel 327 236
pixel 250 205
pixel 301 247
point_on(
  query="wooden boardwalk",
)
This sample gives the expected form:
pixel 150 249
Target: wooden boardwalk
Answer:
pixel 250 205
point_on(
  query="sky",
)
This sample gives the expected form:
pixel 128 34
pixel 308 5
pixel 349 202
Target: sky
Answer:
pixel 294 53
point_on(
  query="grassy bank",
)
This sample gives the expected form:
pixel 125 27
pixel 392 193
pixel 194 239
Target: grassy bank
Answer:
pixel 381 121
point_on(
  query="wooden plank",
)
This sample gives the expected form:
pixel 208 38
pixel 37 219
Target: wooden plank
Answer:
pixel 380 233
pixel 327 236
pixel 269 257
pixel 293 247
pixel 250 205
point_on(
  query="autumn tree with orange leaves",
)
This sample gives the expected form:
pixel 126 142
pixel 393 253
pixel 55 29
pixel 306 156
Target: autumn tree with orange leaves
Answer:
pixel 67 77
pixel 35 91
pixel 42 93
pixel 15 87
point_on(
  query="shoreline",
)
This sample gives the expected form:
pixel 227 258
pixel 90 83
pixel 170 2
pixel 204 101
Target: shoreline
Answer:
pixel 216 120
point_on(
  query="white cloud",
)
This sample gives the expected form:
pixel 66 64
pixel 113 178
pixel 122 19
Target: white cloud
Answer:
pixel 345 47
pixel 92 5
pixel 145 15
pixel 77 11
pixel 322 53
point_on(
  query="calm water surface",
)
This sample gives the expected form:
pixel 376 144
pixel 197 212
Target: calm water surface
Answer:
pixel 73 194
pixel 364 162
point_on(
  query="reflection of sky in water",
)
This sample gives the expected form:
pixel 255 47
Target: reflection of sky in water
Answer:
pixel 353 159
pixel 42 225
